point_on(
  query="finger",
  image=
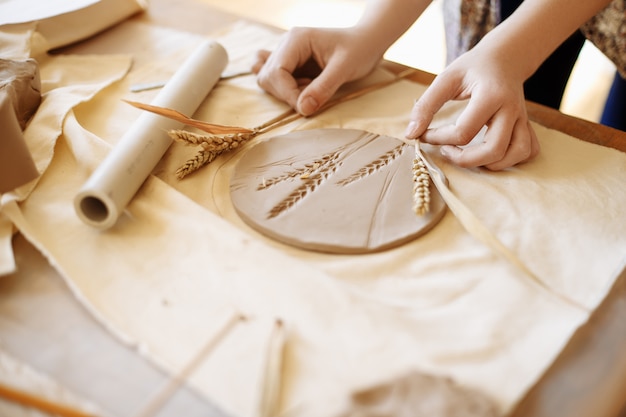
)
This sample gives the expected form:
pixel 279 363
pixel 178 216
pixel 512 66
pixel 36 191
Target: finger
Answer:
pixel 523 147
pixel 493 147
pixel 501 148
pixel 322 88
pixel 442 89
pixel 473 118
pixel 261 58
pixel 285 87
pixel 277 79
pixel 535 146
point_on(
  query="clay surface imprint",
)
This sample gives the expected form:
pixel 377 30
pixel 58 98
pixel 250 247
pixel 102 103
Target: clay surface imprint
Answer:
pixel 343 191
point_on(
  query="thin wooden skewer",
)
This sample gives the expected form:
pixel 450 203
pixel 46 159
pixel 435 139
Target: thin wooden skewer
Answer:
pixel 289 115
pixel 365 90
pixel 177 380
pixel 272 375
pixel 31 400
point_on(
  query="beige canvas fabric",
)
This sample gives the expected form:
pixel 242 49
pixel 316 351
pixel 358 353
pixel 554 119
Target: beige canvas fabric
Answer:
pixel 179 262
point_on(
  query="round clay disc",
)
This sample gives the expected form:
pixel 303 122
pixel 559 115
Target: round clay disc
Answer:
pixel 332 190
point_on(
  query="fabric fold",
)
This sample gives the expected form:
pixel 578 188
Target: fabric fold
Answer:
pixel 67 81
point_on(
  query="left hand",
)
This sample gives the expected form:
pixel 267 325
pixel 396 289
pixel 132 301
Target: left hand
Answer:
pixel 496 100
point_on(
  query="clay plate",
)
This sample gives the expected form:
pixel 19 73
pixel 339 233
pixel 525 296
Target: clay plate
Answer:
pixel 341 191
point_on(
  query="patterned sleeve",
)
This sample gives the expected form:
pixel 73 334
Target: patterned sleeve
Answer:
pixel 467 21
pixel 607 31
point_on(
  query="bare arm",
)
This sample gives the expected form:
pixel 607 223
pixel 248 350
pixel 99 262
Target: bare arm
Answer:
pixel 537 28
pixel 384 21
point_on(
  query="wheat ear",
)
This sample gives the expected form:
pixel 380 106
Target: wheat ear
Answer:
pixel 421 184
pixel 202 158
pixel 212 146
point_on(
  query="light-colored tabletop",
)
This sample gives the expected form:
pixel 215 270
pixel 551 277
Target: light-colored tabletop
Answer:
pixel 588 379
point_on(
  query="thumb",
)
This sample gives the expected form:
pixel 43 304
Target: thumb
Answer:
pixel 320 90
pixel 436 95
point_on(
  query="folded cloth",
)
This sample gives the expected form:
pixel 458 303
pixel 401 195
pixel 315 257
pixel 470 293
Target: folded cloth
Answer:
pixel 26 31
pixel 180 260
pixel 16 165
pixel 64 87
pixel 20 96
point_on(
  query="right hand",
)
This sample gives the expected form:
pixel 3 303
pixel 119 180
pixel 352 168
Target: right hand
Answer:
pixel 310 64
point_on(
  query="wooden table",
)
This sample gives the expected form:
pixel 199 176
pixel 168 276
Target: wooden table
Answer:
pixel 588 379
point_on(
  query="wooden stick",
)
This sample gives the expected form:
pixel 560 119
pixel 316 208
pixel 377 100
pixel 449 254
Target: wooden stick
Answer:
pixel 272 375
pixel 366 90
pixel 31 400
pixel 161 398
pixel 290 115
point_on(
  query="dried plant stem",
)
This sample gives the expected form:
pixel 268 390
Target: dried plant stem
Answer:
pixel 366 90
pixel 191 165
pixel 477 229
pixel 214 145
pixel 271 378
pixel 278 119
pixel 170 388
pixel 421 183
pixel 211 147
pixel 188 138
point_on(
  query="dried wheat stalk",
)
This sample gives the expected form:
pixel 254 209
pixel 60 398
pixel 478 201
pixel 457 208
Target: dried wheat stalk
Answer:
pixel 214 144
pixel 211 147
pixel 421 184
pixel 191 165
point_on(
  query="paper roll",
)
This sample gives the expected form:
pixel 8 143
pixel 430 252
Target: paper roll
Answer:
pixel 113 184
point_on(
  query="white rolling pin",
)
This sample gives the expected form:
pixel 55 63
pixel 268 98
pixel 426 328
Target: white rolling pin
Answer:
pixel 113 184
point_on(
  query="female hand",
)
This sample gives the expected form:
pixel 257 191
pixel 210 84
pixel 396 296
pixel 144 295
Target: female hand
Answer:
pixel 494 86
pixel 310 64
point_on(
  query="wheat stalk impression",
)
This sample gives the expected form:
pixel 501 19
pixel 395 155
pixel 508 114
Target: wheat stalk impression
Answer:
pixel 303 173
pixel 375 165
pixel 312 176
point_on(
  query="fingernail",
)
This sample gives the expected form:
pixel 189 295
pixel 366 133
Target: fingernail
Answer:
pixel 308 105
pixel 410 131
